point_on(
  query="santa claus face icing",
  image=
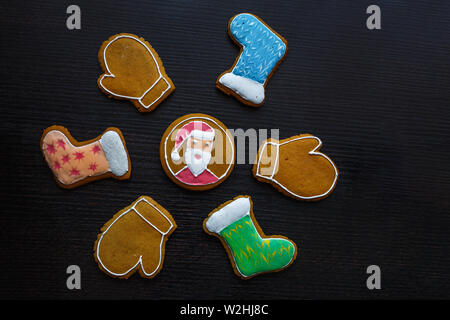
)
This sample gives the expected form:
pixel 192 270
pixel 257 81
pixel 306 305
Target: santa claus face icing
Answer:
pixel 198 155
pixel 197 152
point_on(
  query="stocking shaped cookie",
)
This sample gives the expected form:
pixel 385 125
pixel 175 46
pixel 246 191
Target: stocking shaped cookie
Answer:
pixel 296 168
pixel 133 71
pixel 250 251
pixel 134 239
pixel 75 163
pixel 262 49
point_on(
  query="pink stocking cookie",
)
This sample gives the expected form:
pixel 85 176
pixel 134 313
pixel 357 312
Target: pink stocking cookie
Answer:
pixel 75 163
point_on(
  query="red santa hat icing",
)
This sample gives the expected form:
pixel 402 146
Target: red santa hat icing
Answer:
pixel 195 129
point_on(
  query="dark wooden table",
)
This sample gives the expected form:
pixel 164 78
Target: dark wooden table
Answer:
pixel 379 100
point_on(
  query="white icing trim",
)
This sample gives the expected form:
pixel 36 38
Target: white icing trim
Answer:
pixel 232 212
pixel 311 152
pixel 211 172
pixel 68 140
pixel 140 257
pixel 248 89
pixel 223 130
pixel 199 134
pixel 115 152
pixel 111 75
pixel 196 134
pixel 181 170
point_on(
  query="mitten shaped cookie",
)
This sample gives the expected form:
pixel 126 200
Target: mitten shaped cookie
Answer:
pixel 296 168
pixel 262 49
pixel 75 163
pixel 250 251
pixel 134 239
pixel 133 71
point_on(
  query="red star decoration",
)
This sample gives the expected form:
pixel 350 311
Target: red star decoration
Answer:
pixel 78 155
pixel 56 165
pixel 65 159
pixel 93 166
pixel 51 149
pixel 61 144
pixel 74 172
pixel 95 149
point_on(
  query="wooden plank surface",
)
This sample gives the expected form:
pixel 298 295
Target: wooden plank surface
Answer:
pixel 379 100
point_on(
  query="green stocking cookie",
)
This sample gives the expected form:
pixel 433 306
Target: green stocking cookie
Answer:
pixel 251 251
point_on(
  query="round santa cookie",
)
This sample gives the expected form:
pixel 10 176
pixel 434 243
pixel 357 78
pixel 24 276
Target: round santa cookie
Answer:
pixel 197 152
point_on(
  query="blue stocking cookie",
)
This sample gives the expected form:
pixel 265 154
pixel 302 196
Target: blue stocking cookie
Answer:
pixel 262 49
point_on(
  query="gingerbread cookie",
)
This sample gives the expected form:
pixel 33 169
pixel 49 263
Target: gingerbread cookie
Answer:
pixel 133 71
pixel 262 50
pixel 134 239
pixel 75 163
pixel 251 252
pixel 296 168
pixel 197 152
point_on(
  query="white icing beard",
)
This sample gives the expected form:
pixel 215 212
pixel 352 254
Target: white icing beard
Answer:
pixel 197 166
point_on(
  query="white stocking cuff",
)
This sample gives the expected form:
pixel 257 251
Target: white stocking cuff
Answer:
pixel 115 153
pixel 248 89
pixel 232 212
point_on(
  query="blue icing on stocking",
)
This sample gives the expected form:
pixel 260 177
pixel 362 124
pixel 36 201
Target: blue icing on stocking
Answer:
pixel 262 48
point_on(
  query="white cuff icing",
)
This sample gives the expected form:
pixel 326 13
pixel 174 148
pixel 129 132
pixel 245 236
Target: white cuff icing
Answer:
pixel 268 172
pixel 161 78
pixel 205 135
pixel 248 89
pixel 232 212
pixel 115 153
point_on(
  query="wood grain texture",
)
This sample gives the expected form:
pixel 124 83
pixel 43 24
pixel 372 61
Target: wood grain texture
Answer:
pixel 379 100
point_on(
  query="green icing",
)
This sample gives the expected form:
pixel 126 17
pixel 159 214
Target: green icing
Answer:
pixel 253 254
